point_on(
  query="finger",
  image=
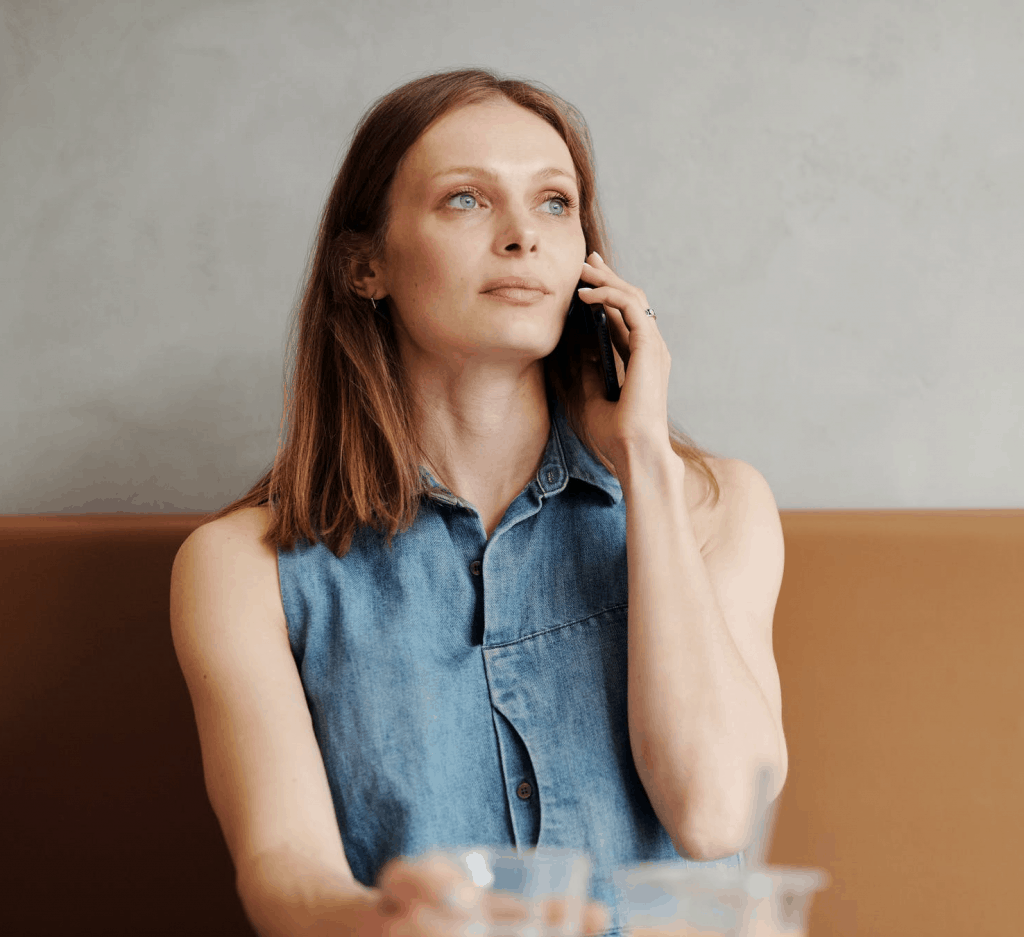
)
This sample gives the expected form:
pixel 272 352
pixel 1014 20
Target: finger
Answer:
pixel 392 887
pixel 597 264
pixel 598 270
pixel 563 913
pixel 596 918
pixel 590 918
pixel 425 921
pixel 433 879
pixel 503 908
pixel 617 303
pixel 448 886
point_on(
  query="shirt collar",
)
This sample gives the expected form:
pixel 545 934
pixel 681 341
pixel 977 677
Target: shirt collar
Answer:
pixel 565 457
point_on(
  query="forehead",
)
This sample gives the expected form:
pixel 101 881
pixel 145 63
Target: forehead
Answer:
pixel 498 136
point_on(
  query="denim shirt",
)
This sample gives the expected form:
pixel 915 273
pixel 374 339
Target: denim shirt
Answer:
pixel 470 691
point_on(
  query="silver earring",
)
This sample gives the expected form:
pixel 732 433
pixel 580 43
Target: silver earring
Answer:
pixel 372 300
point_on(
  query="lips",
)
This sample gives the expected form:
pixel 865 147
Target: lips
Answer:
pixel 515 283
pixel 517 296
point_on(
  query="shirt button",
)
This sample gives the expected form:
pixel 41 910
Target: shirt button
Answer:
pixel 524 790
pixel 474 567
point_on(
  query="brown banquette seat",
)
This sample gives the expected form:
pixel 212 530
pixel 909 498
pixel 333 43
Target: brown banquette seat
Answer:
pixel 900 642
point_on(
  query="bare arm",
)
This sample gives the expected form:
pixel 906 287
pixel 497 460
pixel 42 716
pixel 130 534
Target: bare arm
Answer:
pixel 264 773
pixel 705 705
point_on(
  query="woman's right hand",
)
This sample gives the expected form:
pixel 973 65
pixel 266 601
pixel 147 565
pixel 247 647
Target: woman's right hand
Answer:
pixel 432 897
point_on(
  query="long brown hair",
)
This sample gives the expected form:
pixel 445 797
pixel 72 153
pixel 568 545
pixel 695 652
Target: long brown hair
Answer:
pixel 350 455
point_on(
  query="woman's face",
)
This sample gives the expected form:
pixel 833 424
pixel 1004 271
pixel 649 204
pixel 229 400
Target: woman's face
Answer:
pixel 453 233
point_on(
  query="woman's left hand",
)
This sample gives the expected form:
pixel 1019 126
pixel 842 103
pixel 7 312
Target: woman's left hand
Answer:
pixel 638 420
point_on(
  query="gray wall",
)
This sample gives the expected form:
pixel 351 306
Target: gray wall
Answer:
pixel 824 203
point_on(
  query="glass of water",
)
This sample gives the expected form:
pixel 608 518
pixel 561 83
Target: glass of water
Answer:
pixel 518 886
pixel 665 899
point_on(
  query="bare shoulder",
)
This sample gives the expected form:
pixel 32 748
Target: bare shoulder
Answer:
pixel 239 532
pixel 227 556
pixel 745 498
pixel 245 524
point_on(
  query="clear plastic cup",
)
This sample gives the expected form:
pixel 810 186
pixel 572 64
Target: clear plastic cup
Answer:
pixel 532 877
pixel 665 899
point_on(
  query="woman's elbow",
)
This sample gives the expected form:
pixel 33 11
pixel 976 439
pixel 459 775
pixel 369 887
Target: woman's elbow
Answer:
pixel 282 897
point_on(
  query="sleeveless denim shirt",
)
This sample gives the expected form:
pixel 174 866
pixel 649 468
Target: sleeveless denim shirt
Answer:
pixel 467 691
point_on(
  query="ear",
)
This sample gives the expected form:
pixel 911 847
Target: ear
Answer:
pixel 368 278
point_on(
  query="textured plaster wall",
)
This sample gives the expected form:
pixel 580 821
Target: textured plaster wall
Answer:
pixel 823 201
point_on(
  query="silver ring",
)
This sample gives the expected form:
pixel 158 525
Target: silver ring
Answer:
pixel 650 312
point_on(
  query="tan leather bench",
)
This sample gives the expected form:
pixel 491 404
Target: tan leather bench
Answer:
pixel 900 643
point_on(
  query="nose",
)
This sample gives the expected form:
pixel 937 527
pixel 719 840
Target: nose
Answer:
pixel 519 232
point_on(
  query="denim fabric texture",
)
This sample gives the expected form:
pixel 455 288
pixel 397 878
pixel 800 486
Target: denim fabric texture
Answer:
pixel 467 691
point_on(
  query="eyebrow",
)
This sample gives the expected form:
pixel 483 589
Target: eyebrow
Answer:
pixel 487 174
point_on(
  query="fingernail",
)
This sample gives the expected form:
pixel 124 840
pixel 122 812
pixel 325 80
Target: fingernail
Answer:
pixel 598 256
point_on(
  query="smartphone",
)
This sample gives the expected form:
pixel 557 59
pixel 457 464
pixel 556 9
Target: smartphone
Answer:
pixel 594 324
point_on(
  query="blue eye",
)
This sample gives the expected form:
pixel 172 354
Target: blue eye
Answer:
pixel 558 198
pixel 566 201
pixel 464 195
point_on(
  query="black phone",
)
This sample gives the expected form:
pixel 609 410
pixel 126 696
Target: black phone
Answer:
pixel 594 324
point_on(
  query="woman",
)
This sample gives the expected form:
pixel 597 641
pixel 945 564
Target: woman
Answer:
pixel 413 632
